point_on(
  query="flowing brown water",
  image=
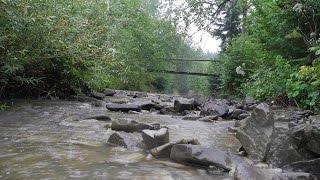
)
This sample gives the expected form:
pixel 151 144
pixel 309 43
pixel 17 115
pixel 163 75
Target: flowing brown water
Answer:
pixel 42 140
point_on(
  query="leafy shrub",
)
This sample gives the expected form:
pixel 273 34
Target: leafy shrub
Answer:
pixel 241 59
pixel 304 86
pixel 269 82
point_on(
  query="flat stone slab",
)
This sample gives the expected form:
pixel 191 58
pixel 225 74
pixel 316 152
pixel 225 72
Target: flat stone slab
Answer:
pixel 123 107
pixel 129 125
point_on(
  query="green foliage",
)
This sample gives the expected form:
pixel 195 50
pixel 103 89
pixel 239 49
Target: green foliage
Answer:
pixel 51 46
pixel 304 86
pixel 57 47
pixel 244 53
pixel 270 82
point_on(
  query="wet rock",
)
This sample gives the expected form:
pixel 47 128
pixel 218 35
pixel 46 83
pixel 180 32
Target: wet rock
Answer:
pixel 130 141
pixel 162 151
pixel 255 133
pixel 239 114
pixel 182 105
pixel 129 125
pixel 109 92
pixel 218 108
pixel 203 156
pixel 294 175
pixel 100 118
pixel 123 107
pixel 288 148
pixel 243 116
pixel 312 136
pixel 98 95
pixel 149 105
pixel 199 100
pixel 206 156
pixel 310 166
pixel 155 138
pixel 167 110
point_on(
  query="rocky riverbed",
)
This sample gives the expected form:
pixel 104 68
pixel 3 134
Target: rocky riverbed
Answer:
pixel 134 135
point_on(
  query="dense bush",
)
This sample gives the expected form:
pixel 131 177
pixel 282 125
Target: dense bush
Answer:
pixel 270 82
pixel 56 47
pixel 52 47
pixel 242 57
pixel 304 86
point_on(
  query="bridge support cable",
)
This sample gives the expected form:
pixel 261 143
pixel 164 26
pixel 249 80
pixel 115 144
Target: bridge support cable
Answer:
pixel 184 73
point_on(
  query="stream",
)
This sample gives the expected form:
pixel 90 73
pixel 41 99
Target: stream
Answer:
pixel 42 139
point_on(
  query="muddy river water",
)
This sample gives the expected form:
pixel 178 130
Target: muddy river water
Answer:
pixel 44 140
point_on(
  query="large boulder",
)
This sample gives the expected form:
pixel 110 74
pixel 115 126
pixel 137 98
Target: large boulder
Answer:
pixel 312 137
pixel 130 141
pixel 129 125
pixel 123 107
pixel 155 138
pixel 203 156
pixel 256 132
pixel 183 104
pixel 288 148
pixel 310 166
pixel 206 156
pixel 218 108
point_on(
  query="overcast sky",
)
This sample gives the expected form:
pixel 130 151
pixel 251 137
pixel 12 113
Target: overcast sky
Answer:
pixel 201 38
pixel 204 40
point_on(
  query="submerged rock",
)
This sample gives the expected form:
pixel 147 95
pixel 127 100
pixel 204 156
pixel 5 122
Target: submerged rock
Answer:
pixel 255 133
pixel 129 125
pixel 124 107
pixel 130 141
pixel 218 108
